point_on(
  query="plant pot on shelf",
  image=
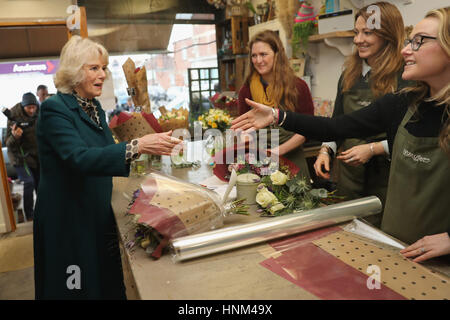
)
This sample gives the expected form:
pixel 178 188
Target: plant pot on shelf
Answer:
pixel 300 34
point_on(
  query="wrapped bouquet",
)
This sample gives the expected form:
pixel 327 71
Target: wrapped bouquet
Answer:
pixel 165 207
pixel 128 126
pixel 175 119
pixel 137 84
pixel 226 102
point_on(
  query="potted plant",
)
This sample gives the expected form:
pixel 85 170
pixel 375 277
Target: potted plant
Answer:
pixel 305 25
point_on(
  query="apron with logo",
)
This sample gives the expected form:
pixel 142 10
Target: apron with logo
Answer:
pixel 372 177
pixel 418 203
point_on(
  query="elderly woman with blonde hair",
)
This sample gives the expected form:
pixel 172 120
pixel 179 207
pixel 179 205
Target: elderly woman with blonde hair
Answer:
pixel 76 248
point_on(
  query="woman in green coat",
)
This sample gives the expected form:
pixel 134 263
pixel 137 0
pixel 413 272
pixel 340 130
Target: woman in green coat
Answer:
pixel 76 252
pixel 417 125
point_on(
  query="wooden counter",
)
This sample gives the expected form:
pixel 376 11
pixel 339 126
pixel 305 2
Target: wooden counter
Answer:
pixel 235 274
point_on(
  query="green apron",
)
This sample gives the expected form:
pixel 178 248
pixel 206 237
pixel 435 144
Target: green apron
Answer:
pixel 372 177
pixel 296 155
pixel 417 204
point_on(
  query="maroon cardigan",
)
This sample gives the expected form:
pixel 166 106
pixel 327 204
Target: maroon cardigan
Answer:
pixel 304 104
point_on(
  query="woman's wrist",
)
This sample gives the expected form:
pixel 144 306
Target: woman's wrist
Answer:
pixel 284 114
pixel 275 113
pixel 376 148
pixel 325 150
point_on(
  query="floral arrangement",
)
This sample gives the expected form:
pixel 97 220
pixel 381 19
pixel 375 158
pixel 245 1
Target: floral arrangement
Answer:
pixel 171 120
pixel 215 119
pixel 246 163
pixel 225 102
pixel 279 194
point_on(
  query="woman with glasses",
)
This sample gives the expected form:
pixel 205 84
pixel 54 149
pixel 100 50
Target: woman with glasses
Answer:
pixel 373 70
pixel 417 125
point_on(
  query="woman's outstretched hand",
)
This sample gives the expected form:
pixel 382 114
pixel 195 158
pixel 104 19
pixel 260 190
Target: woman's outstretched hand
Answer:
pixel 259 117
pixel 158 143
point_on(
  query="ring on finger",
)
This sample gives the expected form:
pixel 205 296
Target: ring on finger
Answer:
pixel 422 250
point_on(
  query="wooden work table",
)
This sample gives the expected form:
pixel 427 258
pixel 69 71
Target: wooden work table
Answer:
pixel 235 274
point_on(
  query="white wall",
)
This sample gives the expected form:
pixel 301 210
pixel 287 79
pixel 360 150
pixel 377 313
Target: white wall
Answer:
pixel 327 66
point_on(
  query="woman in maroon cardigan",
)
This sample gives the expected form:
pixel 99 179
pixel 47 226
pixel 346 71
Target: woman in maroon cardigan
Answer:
pixel 270 80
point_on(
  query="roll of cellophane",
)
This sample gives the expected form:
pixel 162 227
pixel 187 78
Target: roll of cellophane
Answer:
pixel 198 245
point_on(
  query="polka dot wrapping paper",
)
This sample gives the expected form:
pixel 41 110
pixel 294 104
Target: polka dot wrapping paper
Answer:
pixel 333 264
pixel 407 278
pixel 175 208
pixel 129 126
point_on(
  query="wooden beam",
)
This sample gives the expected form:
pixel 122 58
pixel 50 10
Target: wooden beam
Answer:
pixel 83 23
pixel 6 192
pixel 83 31
pixel 32 23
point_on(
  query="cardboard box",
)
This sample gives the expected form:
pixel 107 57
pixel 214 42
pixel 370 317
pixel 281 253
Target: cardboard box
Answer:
pixel 336 21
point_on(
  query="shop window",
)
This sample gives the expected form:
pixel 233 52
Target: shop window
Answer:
pixel 202 83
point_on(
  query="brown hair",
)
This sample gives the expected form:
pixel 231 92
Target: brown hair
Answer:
pixel 443 96
pixel 283 80
pixel 383 76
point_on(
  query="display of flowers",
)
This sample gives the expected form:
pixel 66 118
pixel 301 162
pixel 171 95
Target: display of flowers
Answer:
pixel 174 119
pixel 279 194
pixel 226 102
pixel 215 119
pixel 248 164
pixel 177 114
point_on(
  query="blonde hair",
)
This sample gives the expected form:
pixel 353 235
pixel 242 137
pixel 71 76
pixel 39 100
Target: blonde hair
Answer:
pixel 283 80
pixel 383 75
pixel 421 89
pixel 75 54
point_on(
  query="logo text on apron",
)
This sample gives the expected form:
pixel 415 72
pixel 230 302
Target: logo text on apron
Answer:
pixel 415 157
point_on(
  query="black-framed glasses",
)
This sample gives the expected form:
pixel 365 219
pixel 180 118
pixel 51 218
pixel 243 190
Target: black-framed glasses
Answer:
pixel 417 41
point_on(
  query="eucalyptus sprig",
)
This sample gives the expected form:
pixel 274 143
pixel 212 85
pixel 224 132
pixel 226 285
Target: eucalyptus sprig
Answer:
pixel 238 207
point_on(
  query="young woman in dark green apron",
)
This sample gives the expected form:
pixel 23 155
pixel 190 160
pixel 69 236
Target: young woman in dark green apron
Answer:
pixel 417 206
pixel 271 81
pixel 374 69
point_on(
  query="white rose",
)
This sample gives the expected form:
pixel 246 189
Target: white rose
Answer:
pixel 264 197
pixel 278 178
pixel 277 207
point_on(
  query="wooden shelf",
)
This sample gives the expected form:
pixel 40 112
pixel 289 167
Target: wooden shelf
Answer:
pixel 32 23
pixel 337 34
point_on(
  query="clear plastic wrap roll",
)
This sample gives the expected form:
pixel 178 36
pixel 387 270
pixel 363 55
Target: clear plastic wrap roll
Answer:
pixel 198 245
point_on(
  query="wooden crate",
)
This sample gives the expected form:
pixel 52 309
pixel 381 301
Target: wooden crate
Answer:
pixel 239 32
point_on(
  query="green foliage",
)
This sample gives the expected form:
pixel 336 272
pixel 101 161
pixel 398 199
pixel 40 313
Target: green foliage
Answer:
pixel 300 33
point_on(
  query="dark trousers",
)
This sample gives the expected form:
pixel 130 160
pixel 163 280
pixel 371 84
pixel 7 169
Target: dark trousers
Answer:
pixel 30 183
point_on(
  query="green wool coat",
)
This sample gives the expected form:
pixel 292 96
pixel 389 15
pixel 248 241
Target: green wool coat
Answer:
pixel 76 253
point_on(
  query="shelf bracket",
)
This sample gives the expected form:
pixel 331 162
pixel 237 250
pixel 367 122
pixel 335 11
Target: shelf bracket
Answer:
pixel 344 45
